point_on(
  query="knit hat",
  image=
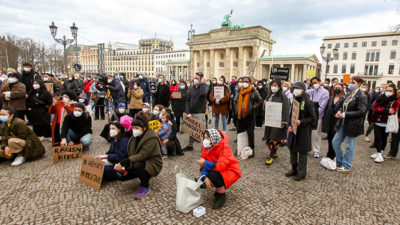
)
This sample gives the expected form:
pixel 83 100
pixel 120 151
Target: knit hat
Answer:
pixel 122 105
pixel 300 85
pixel 71 95
pixel 126 122
pixel 146 104
pixel 214 135
pixel 80 105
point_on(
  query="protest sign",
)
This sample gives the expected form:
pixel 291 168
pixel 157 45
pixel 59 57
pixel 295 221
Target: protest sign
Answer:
pixel 177 95
pixel 280 73
pixel 273 114
pixel 194 127
pixel 49 87
pixel 346 78
pixel 154 125
pixel 219 92
pixel 92 170
pixel 64 153
pixel 295 115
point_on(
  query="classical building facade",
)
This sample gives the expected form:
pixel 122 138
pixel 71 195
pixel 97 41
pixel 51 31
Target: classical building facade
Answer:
pixel 161 60
pixel 374 56
pixel 88 58
pixel 178 70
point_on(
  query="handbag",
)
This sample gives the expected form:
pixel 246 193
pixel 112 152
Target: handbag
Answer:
pixel 392 125
pixel 188 192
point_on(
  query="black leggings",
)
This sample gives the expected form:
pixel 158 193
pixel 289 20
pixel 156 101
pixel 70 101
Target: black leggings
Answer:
pixel 331 152
pixel 216 179
pixel 380 138
pixel 137 171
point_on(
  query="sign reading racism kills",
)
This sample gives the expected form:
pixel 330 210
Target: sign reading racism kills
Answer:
pixel 92 170
pixel 64 153
pixel 195 128
pixel 280 73
pixel 219 92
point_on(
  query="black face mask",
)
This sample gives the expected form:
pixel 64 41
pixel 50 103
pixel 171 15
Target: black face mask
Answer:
pixel 337 91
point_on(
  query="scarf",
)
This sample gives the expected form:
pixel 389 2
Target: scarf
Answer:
pixel 244 98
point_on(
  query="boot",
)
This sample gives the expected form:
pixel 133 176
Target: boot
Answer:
pixel 219 200
pixel 292 172
pixel 299 178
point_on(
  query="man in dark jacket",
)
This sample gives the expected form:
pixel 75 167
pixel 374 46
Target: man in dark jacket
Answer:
pixel 28 76
pixel 48 78
pixel 72 85
pixel 116 90
pixel 144 85
pixel 163 93
pixel 196 103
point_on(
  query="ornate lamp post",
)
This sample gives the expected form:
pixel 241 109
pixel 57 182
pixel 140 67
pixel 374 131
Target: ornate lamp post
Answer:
pixel 328 58
pixel 64 41
pixel 190 39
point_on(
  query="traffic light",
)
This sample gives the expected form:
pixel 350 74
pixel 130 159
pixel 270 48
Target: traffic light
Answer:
pixel 78 67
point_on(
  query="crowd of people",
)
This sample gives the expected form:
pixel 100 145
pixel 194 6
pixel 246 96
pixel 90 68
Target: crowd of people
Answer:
pixel 43 107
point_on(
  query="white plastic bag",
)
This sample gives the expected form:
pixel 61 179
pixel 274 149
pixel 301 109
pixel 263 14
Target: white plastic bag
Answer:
pixel 392 125
pixel 188 192
pixel 328 163
pixel 243 146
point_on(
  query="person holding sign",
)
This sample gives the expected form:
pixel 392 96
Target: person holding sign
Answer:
pixel 179 104
pixel 144 159
pixel 77 127
pixel 48 79
pixel 299 144
pixel 135 95
pixel 220 99
pixel 274 134
pixel 17 140
pixel 116 152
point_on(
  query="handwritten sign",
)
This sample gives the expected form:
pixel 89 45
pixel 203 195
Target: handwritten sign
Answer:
pixel 310 73
pixel 273 114
pixel 92 170
pixel 295 115
pixel 65 153
pixel 219 92
pixel 194 127
pixel 154 125
pixel 49 87
pixel 346 78
pixel 177 95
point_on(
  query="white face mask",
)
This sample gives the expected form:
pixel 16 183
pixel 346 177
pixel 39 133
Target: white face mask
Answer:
pixel 12 80
pixel 65 100
pixel 388 94
pixel 121 110
pixel 26 69
pixel 77 113
pixel 297 92
pixel 240 84
pixel 206 143
pixel 284 89
pixel 219 82
pixel 113 133
pixel 245 85
pixel 70 78
pixel 135 86
pixel 109 80
pixel 259 87
pixel 363 89
pixel 36 86
pixel 316 86
pixel 140 77
pixel 214 82
pixel 45 79
pixel 196 82
pixel 156 112
pixel 81 100
pixel 136 133
pixel 145 109
pixel 274 89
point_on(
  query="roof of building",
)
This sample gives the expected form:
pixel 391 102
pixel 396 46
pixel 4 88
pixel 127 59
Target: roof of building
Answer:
pixel 287 56
pixel 366 35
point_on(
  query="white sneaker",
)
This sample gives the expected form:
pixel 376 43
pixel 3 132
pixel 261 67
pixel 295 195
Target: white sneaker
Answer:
pixel 367 139
pixel 18 161
pixel 316 154
pixel 379 158
pixel 373 156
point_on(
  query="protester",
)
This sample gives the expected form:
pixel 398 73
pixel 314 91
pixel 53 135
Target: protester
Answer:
pixel 144 159
pixel 173 87
pixel 220 106
pixel 370 109
pixel 98 96
pixel 116 152
pixel 299 144
pixel 384 106
pixel 162 95
pixel 49 79
pixel 146 110
pixel 196 103
pixel 13 95
pixel 179 104
pixel 79 82
pixel 144 85
pixel 273 135
pixel 88 84
pixel 246 102
pixel 260 111
pixel 234 95
pixel 351 124
pixel 394 144
pixel 135 96
pixel 156 112
pixel 173 143
pixel 77 128
pixel 17 139
pixel 164 133
pixel 286 88
pixel 218 165
pixel 116 90
pixel 27 78
pixel 71 85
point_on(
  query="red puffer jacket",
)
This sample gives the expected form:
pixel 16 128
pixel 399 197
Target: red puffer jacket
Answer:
pixel 227 165
pixel 172 89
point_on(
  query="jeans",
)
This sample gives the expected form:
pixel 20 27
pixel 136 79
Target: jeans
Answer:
pixel 86 140
pixel 223 116
pixel 346 159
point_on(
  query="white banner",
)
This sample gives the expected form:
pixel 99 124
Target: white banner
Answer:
pixel 273 114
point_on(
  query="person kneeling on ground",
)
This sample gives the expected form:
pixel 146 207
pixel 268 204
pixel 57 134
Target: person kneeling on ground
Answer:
pixel 77 127
pixel 173 144
pixel 144 159
pixel 17 139
pixel 218 164
pixel 116 152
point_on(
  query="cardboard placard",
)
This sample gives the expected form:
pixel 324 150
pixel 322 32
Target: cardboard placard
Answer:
pixel 295 115
pixel 64 153
pixel 195 128
pixel 219 92
pixel 49 87
pixel 346 78
pixel 273 114
pixel 154 125
pixel 177 95
pixel 91 172
pixel 310 73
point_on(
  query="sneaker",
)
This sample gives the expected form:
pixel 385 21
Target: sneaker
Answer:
pixel 269 161
pixel 373 156
pixel 275 156
pixel 388 156
pixel 188 148
pixel 143 191
pixel 164 156
pixel 367 139
pixel 340 168
pixel 18 161
pixel 232 129
pixel 316 154
pixel 344 170
pixel 379 158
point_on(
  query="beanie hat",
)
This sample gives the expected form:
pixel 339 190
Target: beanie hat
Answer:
pixel 126 122
pixel 121 105
pixel 300 85
pixel 80 105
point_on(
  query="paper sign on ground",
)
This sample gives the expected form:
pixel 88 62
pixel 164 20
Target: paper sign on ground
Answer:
pixel 65 153
pixel 154 125
pixel 219 92
pixel 92 170
pixel 295 115
pixel 177 95
pixel 194 127
pixel 273 114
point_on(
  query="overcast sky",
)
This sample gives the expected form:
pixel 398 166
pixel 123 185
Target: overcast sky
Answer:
pixel 297 25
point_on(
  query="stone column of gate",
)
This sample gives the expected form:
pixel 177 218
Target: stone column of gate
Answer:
pixel 201 62
pixel 304 74
pixel 292 78
pixel 254 59
pixel 227 64
pixel 241 64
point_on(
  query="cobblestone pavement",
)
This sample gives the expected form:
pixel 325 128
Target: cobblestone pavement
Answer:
pixel 43 192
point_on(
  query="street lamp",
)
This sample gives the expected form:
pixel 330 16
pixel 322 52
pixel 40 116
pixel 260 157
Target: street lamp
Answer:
pixel 190 39
pixel 64 41
pixel 74 31
pixel 328 58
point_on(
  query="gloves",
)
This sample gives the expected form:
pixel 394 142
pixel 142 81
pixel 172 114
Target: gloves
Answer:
pixel 7 95
pixel 125 162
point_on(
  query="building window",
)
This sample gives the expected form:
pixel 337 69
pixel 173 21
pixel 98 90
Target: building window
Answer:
pixel 377 55
pixel 352 68
pixel 384 43
pixel 335 69
pixel 355 44
pixel 372 56
pixel 354 56
pixel 364 44
pixel 328 55
pixel 329 46
pixel 391 69
pixel 337 57
pixel 394 42
pixel 346 45
pixel 344 55
pixel 337 45
pixel 367 57
pixel 393 55
pixel 344 68
pixel 373 43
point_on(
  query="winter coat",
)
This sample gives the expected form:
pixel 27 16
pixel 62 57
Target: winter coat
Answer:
pixel 165 130
pixel 118 150
pixel 144 85
pixel 197 99
pixel 162 95
pixel 223 106
pixel 117 92
pixel 71 85
pixel 329 121
pixel 60 111
pixel 355 114
pixel 80 125
pixel 87 85
pixel 39 102
pixel 382 106
pixel 274 132
pixel 173 88
pixel 18 96
pixel 18 129
pixel 226 163
pixel 254 102
pixel 179 105
pixel 27 79
pixel 260 111
pixel 301 142
pixel 146 148
pixel 135 98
